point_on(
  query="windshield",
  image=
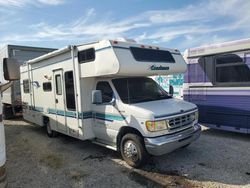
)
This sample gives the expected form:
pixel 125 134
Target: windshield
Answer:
pixel 141 89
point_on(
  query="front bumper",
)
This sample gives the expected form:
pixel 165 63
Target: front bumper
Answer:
pixel 168 143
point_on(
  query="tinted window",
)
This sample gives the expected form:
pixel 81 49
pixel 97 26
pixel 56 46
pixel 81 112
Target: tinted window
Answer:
pixel 151 55
pixel 70 92
pixel 26 86
pixel 107 92
pixel 47 86
pixel 58 84
pixel 229 58
pixel 231 68
pixel 86 55
pixel 136 90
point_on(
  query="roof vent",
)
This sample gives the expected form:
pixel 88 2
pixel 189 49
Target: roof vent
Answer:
pixel 121 39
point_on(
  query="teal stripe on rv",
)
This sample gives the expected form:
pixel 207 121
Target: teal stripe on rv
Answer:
pixel 81 115
pixel 38 109
pixel 85 115
pixel 61 112
pixel 109 117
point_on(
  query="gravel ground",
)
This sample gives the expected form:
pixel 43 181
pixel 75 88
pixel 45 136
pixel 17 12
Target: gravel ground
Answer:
pixel 217 159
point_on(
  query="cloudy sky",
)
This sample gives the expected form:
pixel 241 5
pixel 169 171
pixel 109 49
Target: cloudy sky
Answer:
pixel 56 23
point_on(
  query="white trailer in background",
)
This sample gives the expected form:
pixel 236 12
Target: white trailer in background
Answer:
pixel 218 82
pixel 101 92
pixel 9 71
pixel 11 98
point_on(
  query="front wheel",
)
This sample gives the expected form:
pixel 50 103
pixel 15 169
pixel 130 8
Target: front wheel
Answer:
pixel 133 150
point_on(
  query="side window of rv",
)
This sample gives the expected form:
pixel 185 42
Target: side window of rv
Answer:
pixel 47 86
pixel 70 91
pixel 58 84
pixel 230 69
pixel 26 86
pixel 85 56
pixel 107 92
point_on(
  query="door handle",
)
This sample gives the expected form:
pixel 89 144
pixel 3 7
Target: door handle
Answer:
pixel 56 100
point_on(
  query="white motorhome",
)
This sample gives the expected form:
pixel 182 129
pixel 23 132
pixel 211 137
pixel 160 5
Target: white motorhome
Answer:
pixel 101 92
pixel 11 97
pixel 9 71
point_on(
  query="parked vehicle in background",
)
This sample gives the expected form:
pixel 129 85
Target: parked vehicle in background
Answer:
pixel 11 98
pixel 101 91
pixel 9 71
pixel 175 80
pixel 218 82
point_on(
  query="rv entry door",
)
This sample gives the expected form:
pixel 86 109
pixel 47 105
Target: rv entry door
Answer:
pixel 59 100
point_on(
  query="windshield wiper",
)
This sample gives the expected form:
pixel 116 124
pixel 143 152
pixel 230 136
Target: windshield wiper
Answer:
pixel 141 99
pixel 159 97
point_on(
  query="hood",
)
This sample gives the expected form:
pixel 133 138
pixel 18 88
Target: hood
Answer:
pixel 167 107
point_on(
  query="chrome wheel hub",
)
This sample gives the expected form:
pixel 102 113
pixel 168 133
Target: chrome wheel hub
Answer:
pixel 130 150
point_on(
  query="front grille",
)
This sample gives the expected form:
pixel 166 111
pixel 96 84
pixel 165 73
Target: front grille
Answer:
pixel 181 121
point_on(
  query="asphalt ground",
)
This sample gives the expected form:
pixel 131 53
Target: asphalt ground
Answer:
pixel 216 159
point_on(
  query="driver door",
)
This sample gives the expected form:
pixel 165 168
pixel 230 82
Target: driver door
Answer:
pixel 105 115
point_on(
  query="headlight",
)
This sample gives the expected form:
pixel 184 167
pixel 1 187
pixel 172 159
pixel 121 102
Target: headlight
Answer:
pixel 196 115
pixel 192 116
pixel 153 126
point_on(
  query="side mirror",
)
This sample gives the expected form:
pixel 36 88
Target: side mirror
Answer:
pixel 171 91
pixel 113 101
pixel 11 69
pixel 96 97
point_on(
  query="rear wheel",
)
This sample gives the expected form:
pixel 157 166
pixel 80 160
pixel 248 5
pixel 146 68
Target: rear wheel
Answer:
pixel 133 150
pixel 49 131
pixel 8 111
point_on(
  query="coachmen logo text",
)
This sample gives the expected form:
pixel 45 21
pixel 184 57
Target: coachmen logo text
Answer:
pixel 155 67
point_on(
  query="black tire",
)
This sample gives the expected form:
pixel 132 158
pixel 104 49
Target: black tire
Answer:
pixel 50 132
pixel 8 112
pixel 135 144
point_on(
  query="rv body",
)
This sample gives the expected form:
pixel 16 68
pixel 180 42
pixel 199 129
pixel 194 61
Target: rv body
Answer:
pixel 60 90
pixel 11 98
pixel 218 82
pixel 9 71
pixel 2 150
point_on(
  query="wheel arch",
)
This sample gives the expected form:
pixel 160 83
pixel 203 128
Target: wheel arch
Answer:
pixel 123 131
pixel 45 120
